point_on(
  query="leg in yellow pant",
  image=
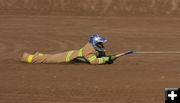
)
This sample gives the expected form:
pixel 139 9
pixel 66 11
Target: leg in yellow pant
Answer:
pixel 44 58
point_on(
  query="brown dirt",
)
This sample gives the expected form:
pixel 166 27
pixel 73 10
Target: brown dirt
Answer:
pixel 137 78
pixel 92 7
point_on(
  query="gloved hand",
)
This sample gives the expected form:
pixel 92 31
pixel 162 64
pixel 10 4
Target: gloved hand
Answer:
pixel 111 59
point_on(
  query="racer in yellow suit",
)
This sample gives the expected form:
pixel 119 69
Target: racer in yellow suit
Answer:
pixel 93 53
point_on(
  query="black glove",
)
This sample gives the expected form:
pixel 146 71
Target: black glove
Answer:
pixel 101 54
pixel 111 59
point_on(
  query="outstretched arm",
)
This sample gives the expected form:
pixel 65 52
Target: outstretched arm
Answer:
pixel 93 59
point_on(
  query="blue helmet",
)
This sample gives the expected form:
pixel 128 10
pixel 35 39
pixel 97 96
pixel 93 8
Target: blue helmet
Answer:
pixel 95 40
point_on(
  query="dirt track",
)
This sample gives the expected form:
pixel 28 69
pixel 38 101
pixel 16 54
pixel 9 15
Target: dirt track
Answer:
pixel 92 7
pixel 137 78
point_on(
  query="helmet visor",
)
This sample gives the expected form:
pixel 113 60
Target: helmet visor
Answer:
pixel 100 40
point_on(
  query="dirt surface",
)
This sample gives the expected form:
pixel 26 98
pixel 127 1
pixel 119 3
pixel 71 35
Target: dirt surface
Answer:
pixel 92 7
pixel 137 78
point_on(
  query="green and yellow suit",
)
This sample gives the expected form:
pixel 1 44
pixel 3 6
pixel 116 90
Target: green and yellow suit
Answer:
pixel 87 52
